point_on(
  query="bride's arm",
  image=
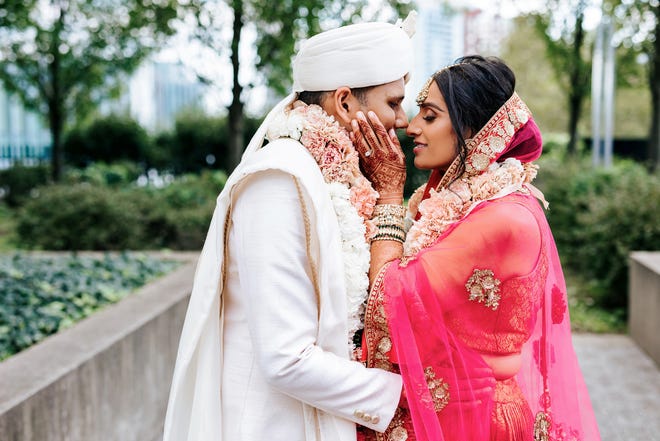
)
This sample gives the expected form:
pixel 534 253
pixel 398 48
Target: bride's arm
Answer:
pixel 383 163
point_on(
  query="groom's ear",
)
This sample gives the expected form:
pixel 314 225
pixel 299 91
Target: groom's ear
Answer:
pixel 343 105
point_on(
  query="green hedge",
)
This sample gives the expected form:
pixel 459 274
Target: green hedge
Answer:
pixel 107 139
pixel 83 217
pixel 598 216
pixel 17 182
pixel 115 174
pixel 91 216
pixel 40 296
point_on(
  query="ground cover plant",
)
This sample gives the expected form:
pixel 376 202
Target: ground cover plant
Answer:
pixel 41 295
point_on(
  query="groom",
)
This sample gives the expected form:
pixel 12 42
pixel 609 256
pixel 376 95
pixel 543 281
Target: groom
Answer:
pixel 266 348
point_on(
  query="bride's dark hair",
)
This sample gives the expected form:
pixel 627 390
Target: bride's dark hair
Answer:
pixel 473 88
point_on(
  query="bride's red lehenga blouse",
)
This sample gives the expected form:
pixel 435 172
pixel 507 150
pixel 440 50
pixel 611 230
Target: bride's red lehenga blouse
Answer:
pixel 475 316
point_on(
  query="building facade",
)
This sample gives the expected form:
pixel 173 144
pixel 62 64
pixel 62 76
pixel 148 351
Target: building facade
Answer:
pixel 160 91
pixel 447 30
pixel 24 137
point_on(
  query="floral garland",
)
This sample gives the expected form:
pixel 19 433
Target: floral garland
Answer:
pixel 352 196
pixel 449 205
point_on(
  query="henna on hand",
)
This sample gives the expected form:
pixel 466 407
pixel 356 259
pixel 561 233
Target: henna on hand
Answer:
pixel 381 158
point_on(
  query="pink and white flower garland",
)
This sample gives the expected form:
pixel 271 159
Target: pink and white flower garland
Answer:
pixel 352 196
pixel 448 206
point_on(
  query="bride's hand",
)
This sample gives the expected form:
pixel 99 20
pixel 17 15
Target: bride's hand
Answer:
pixel 381 157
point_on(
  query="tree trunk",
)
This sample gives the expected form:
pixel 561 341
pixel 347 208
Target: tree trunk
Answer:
pixel 236 117
pixel 574 110
pixel 55 104
pixel 576 85
pixel 55 125
pixel 653 149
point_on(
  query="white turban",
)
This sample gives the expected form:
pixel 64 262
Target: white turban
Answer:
pixel 359 55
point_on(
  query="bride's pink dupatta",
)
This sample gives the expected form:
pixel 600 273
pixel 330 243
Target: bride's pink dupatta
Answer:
pixel 422 321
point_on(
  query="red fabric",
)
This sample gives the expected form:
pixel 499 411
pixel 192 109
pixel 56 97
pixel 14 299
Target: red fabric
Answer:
pixel 434 327
pixel 526 145
pixel 433 323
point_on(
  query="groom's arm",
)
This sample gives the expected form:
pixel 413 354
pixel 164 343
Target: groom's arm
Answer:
pixel 275 276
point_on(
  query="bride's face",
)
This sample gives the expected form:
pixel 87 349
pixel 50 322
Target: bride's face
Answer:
pixel 434 136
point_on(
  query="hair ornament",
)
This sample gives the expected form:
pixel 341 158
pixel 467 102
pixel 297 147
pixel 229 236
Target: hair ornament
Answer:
pixel 424 93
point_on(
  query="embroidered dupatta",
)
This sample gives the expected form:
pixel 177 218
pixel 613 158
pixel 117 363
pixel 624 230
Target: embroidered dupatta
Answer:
pixel 488 282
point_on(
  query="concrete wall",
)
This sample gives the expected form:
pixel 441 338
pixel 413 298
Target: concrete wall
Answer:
pixel 107 378
pixel 644 301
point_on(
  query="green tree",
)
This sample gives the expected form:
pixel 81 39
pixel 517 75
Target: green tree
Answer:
pixel 560 23
pixel 638 28
pixel 536 82
pixel 61 57
pixel 281 25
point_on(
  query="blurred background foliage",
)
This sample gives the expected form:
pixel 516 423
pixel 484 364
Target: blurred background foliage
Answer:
pixel 121 187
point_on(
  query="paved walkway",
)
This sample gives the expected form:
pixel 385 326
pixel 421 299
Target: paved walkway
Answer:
pixel 624 385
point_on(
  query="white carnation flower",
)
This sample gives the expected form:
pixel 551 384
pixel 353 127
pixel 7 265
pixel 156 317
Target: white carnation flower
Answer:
pixel 355 254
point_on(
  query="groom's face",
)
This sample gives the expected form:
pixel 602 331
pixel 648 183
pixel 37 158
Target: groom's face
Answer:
pixel 385 101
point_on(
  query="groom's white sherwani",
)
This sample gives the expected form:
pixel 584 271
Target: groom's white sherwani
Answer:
pixel 263 355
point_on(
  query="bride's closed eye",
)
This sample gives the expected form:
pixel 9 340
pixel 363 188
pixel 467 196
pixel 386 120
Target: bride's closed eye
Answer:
pixel 429 117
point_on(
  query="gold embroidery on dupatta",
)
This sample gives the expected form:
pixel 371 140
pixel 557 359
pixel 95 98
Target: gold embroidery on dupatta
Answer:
pixel 376 332
pixel 542 427
pixel 484 287
pixel 487 143
pixel 379 344
pixel 439 389
pixel 496 134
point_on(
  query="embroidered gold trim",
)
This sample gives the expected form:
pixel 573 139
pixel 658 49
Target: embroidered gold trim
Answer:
pixel 399 433
pixel 487 144
pixel 484 287
pixel 378 343
pixel 542 427
pixel 439 389
pixel 308 247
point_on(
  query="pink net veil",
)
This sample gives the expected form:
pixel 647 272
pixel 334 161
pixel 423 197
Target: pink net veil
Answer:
pixel 437 334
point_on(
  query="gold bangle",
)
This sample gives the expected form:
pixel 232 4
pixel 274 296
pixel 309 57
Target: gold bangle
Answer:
pixel 389 210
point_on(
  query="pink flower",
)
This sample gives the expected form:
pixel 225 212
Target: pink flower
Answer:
pixel 314 143
pixel 371 230
pixel 363 197
pixel 415 199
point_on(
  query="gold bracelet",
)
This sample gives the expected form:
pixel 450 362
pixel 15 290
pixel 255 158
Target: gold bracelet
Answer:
pixel 389 215
pixel 389 232
pixel 389 210
pixel 386 236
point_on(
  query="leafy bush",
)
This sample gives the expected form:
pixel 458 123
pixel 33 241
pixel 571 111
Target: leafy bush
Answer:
pixel 95 217
pixel 197 142
pixel 598 217
pixel 82 217
pixel 40 296
pixel 116 174
pixel 107 139
pixel 185 207
pixel 17 181
pixel 7 227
